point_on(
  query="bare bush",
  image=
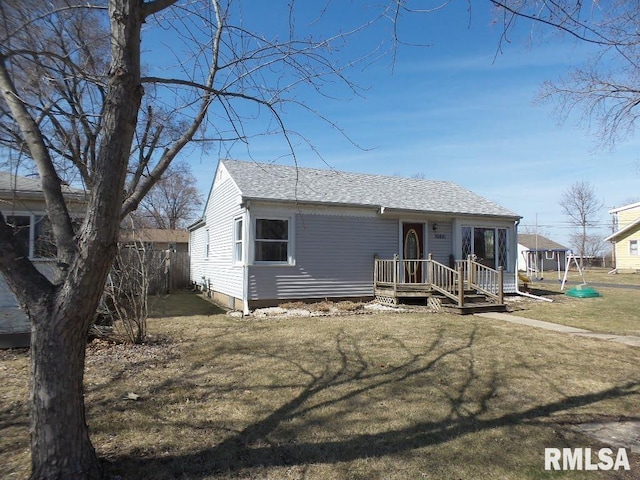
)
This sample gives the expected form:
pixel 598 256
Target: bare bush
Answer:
pixel 126 293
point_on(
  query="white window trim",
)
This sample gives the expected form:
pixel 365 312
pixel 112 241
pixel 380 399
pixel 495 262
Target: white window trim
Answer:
pixel 637 249
pixel 238 260
pixel 290 241
pixel 207 247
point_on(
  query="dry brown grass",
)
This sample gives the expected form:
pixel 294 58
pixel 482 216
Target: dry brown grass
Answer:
pixel 594 275
pixel 615 311
pixel 601 275
pixel 391 396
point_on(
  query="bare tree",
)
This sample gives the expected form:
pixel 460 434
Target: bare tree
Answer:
pixel 77 106
pixel 582 206
pixel 605 89
pixel 595 248
pixel 173 200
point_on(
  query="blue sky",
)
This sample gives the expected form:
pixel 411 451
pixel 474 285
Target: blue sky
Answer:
pixel 457 111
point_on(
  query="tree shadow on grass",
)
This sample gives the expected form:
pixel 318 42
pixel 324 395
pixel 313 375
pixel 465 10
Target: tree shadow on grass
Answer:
pixel 349 380
pixel 181 304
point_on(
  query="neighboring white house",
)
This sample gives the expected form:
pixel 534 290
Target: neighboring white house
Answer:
pixel 272 233
pixel 537 254
pixel 22 205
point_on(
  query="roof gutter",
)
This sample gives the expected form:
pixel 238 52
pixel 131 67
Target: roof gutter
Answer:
pixel 622 231
pixel 402 211
pixel 197 224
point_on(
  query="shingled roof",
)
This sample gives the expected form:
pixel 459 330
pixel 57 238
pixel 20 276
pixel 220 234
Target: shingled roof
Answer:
pixel 539 243
pixel 260 181
pixel 26 187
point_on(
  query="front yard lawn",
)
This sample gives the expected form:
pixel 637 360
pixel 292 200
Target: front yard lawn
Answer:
pixel 616 311
pixel 391 396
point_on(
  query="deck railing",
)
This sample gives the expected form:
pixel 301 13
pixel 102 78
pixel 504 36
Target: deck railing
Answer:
pixel 483 279
pixel 430 274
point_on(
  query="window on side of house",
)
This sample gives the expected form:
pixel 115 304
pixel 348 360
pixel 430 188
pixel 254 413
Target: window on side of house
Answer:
pixel 633 247
pixel 21 225
pixel 43 244
pixel 238 240
pixel 34 235
pixel 271 241
pixel 206 243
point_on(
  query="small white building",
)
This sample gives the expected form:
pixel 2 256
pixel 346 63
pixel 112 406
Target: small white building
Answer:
pixel 272 233
pixel 538 254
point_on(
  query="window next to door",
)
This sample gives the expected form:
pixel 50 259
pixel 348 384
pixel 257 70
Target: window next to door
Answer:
pixel 488 244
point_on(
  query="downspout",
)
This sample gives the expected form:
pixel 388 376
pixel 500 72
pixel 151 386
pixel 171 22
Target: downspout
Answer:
pixel 530 295
pixel 245 262
pixel 526 294
pixel 245 288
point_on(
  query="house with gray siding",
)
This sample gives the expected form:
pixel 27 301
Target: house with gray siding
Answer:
pixel 23 206
pixel 537 254
pixel 273 233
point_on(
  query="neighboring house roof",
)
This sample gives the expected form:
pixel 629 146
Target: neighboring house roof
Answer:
pixel 629 227
pixel 623 231
pixel 155 235
pixel 539 243
pixel 625 207
pixel 14 186
pixel 260 181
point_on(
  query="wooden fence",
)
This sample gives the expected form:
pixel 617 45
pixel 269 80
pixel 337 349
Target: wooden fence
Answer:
pixel 167 271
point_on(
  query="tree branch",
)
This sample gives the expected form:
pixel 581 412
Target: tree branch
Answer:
pixel 51 185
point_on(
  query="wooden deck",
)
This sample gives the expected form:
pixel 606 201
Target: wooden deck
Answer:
pixel 469 288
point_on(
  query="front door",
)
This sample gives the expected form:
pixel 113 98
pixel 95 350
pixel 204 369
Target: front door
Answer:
pixel 413 249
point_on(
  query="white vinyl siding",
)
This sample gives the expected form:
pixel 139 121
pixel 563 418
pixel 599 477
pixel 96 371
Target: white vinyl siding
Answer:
pixel 215 265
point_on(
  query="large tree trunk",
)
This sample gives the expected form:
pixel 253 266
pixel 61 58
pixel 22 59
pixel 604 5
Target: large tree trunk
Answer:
pixel 60 321
pixel 60 444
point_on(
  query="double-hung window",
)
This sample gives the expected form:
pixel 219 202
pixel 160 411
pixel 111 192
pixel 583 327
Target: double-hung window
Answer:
pixel 237 240
pixel 272 241
pixel 633 247
pixel 34 235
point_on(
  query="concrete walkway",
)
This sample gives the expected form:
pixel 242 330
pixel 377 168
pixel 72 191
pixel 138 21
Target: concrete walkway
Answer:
pixel 622 434
pixel 624 339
